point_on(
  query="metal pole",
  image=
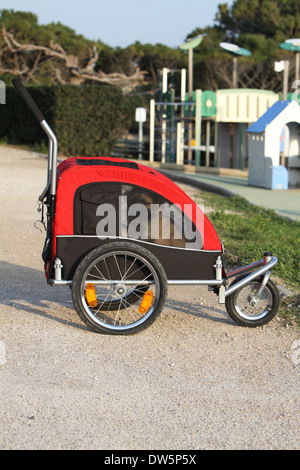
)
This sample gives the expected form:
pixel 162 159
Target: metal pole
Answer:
pixel 151 131
pixel 183 93
pixel 190 130
pixel 198 126
pixel 140 140
pixel 207 143
pixel 285 79
pixel 165 80
pixel 163 139
pixel 178 145
pixel 297 66
pixel 234 72
pixel 285 94
pixel 53 157
pixel 240 146
pixel 190 71
pixel 183 84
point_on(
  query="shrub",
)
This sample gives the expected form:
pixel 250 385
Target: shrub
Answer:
pixel 86 119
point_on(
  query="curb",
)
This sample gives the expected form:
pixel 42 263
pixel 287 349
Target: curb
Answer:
pixel 197 184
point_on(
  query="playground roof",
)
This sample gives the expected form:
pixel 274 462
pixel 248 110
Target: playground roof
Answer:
pixel 268 116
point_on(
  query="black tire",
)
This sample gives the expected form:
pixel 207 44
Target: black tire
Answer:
pixel 112 268
pixel 239 308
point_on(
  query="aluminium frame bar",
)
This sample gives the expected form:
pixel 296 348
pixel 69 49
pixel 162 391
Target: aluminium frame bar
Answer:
pixel 265 269
pixel 52 156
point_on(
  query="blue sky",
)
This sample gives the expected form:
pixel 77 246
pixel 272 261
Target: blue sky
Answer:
pixel 122 22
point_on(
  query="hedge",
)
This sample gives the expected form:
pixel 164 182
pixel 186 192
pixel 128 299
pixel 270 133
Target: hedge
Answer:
pixel 86 120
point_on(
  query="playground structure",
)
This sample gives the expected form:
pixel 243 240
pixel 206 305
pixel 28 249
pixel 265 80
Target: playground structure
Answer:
pixel 207 129
pixel 192 128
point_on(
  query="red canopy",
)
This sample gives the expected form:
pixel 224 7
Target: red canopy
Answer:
pixel 75 172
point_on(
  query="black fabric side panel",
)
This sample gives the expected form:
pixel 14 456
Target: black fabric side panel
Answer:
pixel 86 200
pixel 91 161
pixel 178 263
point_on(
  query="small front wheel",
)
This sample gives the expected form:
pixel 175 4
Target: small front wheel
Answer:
pixel 119 288
pixel 244 307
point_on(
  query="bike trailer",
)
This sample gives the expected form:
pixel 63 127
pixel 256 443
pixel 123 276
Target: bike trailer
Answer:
pixel 119 232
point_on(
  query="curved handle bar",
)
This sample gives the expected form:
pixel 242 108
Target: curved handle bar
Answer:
pixel 52 148
pixel 28 99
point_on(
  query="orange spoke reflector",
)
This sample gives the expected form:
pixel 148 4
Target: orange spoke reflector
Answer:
pixel 90 294
pixel 146 302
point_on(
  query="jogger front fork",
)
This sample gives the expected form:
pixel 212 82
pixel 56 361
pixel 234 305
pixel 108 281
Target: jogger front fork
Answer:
pixel 255 298
pixel 267 263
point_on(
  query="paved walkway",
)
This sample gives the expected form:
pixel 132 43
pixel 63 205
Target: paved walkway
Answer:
pixel 285 202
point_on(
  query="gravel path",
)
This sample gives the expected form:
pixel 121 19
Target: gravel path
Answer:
pixel 194 380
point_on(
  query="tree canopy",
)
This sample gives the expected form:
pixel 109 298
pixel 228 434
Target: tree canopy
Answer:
pixel 55 53
pixel 257 25
pixel 276 19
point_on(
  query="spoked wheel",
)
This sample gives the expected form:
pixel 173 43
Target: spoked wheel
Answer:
pixel 244 307
pixel 119 288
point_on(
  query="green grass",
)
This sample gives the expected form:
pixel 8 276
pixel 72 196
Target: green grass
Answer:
pixel 248 231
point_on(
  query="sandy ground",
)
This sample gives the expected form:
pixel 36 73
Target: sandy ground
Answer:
pixel 194 380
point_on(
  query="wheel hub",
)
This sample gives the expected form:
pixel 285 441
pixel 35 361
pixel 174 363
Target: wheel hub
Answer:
pixel 119 289
pixel 253 300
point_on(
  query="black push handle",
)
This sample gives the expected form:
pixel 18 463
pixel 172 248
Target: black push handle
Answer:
pixel 28 99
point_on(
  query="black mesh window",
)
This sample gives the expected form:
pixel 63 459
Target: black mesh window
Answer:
pixel 108 209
